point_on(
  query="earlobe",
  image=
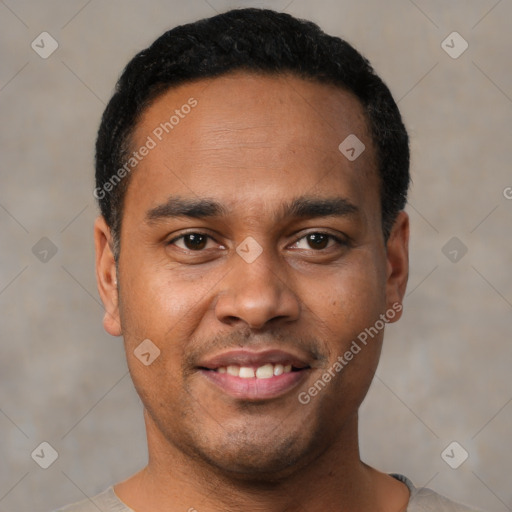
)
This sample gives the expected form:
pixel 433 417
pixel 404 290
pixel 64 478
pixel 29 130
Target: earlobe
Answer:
pixel 397 248
pixel 106 277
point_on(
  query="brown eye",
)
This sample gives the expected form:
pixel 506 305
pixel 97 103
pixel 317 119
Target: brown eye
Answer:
pixel 195 241
pixel 203 244
pixel 191 241
pixel 318 240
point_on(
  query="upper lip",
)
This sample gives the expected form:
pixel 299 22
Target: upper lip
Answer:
pixel 244 357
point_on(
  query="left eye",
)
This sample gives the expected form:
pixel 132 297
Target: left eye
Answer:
pixel 316 241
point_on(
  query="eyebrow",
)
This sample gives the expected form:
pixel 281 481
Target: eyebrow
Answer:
pixel 312 207
pixel 301 207
pixel 179 207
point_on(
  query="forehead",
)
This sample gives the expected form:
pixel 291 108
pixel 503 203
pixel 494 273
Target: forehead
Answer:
pixel 252 136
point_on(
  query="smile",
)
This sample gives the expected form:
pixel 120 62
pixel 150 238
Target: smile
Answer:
pixel 266 371
pixel 255 376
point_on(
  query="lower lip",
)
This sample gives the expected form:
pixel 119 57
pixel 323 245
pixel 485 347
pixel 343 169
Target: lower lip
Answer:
pixel 253 388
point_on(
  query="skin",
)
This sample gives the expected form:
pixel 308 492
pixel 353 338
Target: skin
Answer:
pixel 253 144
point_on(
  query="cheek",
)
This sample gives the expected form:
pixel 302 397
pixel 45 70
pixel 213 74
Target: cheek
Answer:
pixel 350 297
pixel 156 320
pixel 149 319
pixel 154 301
pixel 160 305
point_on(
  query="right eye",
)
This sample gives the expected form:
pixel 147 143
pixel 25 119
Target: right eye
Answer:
pixel 191 241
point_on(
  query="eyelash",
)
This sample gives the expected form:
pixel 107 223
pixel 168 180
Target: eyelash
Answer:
pixel 339 241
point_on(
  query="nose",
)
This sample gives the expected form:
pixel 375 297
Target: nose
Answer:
pixel 257 293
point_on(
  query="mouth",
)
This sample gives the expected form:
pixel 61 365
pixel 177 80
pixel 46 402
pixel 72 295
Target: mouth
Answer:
pixel 254 376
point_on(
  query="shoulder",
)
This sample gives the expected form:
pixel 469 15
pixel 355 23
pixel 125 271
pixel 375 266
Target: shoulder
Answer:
pixel 427 500
pixel 107 501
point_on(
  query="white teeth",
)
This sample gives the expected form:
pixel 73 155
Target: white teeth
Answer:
pixel 263 372
pixel 233 370
pixel 278 369
pixel 246 372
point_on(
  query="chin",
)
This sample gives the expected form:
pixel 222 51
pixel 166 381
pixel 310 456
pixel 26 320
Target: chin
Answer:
pixel 258 456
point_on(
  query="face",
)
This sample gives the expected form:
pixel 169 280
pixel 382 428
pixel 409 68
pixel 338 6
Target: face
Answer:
pixel 252 256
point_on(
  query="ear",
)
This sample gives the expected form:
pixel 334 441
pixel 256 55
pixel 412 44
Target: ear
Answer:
pixel 397 250
pixel 106 277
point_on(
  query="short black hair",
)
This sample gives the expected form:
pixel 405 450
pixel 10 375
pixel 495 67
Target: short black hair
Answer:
pixel 255 40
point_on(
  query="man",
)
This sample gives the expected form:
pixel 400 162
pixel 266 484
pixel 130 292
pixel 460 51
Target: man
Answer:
pixel 252 173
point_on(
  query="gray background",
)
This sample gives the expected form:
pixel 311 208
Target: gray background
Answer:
pixel 444 374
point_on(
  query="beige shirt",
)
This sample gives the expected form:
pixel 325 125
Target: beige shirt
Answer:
pixel 422 500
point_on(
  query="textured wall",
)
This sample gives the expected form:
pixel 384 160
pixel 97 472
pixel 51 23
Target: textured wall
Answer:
pixel 445 370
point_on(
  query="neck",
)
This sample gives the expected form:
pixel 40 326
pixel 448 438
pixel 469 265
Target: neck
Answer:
pixel 334 479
